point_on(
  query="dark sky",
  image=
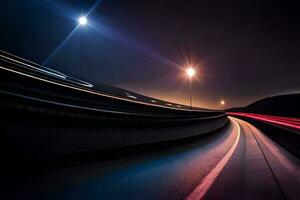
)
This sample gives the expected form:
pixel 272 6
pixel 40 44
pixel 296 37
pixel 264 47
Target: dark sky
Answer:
pixel 243 50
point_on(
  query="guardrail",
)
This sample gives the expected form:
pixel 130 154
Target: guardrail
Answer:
pixel 19 70
pixel 45 117
pixel 19 84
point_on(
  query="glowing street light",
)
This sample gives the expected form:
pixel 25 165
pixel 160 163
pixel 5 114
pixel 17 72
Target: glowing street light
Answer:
pixel 222 103
pixel 82 20
pixel 190 73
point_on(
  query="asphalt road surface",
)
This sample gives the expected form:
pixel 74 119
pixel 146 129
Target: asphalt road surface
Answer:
pixel 239 162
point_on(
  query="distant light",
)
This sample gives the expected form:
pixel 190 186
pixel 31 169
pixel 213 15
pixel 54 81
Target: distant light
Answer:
pixel 190 72
pixel 82 20
pixel 222 102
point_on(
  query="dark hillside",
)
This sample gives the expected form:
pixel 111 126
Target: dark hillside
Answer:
pixel 281 105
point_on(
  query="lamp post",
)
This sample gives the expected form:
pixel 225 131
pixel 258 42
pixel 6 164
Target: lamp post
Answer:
pixel 190 73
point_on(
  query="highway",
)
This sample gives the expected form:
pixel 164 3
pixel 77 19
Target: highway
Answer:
pixel 65 138
pixel 238 162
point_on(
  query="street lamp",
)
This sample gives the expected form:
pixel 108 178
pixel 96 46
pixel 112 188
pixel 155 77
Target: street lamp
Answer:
pixel 190 73
pixel 82 20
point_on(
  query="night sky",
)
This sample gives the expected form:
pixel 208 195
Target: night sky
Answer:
pixel 243 50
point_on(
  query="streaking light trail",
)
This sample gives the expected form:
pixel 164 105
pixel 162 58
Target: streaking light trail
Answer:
pixel 201 190
pixel 277 120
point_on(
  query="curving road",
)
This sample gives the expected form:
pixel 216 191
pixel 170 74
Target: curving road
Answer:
pixel 239 162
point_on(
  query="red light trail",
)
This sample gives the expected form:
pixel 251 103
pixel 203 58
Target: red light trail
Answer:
pixel 283 121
